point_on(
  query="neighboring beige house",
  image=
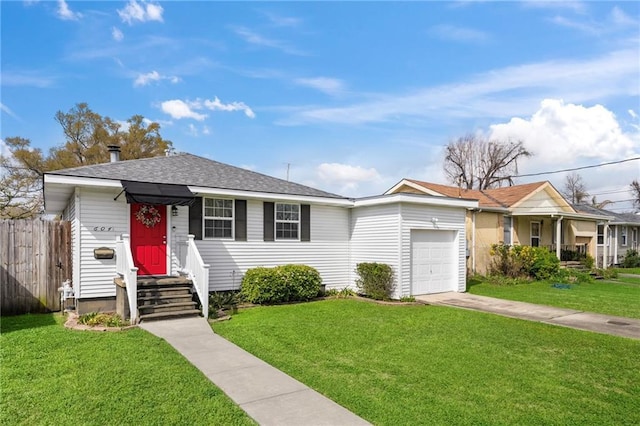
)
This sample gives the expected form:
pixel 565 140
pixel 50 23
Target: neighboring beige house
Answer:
pixel 533 214
pixel 623 234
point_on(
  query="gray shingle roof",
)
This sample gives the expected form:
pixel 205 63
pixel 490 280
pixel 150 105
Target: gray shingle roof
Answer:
pixel 619 218
pixel 189 169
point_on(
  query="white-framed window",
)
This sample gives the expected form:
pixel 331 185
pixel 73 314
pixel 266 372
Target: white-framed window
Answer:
pixel 600 235
pixel 506 239
pixel 287 221
pixel 634 237
pixel 623 235
pixel 536 233
pixel 218 218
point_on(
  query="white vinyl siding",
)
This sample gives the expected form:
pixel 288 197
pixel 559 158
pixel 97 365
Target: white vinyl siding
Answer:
pixel 177 237
pixel 375 237
pixel 70 214
pixel 101 221
pixel 383 234
pixel 328 250
pixel 417 217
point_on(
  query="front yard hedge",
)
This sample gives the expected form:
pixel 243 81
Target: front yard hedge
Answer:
pixel 285 283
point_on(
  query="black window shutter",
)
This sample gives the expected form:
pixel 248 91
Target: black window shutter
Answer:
pixel 305 222
pixel 268 209
pixel 241 220
pixel 195 218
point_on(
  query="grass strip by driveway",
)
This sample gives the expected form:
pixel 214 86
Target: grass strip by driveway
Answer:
pixel 423 364
pixel 51 375
pixel 618 297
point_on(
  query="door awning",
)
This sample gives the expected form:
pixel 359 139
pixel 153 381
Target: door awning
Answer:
pixel 157 193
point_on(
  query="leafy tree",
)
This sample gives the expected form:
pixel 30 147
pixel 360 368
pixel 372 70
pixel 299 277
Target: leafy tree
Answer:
pixel 574 189
pixel 87 135
pixel 635 193
pixel 475 162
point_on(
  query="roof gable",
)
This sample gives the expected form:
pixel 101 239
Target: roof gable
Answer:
pixel 529 195
pixel 192 170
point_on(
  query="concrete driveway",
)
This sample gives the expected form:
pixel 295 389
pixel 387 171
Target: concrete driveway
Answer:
pixel 589 321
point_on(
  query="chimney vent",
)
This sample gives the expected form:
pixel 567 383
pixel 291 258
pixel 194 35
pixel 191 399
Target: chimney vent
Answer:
pixel 114 151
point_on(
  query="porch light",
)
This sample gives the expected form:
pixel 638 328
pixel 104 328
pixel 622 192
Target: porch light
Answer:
pixel 174 211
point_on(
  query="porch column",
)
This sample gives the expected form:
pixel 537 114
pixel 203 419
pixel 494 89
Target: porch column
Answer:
pixel 558 237
pixel 605 231
pixel 615 247
pixel 473 241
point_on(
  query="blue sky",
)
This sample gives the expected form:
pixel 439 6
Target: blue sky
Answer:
pixel 353 96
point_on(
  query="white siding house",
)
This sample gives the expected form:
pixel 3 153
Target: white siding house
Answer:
pixel 236 219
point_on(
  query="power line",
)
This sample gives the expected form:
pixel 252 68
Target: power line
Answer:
pixel 577 168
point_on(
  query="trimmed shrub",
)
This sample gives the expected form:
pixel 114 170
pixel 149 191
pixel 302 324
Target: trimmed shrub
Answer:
pixel 376 280
pixel 285 283
pixel 631 259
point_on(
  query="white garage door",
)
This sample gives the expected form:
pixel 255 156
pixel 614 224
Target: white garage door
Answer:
pixel 433 262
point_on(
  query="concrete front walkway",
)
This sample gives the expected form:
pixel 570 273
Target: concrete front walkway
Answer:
pixel 268 395
pixel 599 323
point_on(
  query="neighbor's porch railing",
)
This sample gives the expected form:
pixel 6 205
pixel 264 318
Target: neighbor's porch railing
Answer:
pixel 198 272
pixel 128 272
pixel 569 252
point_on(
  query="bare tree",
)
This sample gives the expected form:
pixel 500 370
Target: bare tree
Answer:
pixel 635 192
pixel 475 162
pixel 600 204
pixel 574 189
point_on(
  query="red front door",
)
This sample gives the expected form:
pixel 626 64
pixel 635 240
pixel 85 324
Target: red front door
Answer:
pixel 149 238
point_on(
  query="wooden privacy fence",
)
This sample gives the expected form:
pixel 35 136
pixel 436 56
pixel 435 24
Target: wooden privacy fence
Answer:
pixel 35 259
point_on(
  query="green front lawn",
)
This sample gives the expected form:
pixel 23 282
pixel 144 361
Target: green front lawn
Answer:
pixel 50 375
pixel 634 271
pixel 436 365
pixel 616 297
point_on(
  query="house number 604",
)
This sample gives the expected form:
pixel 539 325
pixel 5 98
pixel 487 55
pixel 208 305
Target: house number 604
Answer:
pixel 103 228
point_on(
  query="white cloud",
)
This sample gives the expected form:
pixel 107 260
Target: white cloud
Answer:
pixel 153 76
pixel 632 113
pixel 345 175
pixel 616 20
pixel 187 109
pixel 8 111
pixel 330 86
pixel 559 132
pixel 116 34
pixel 497 93
pixel 4 149
pixel 254 38
pixel 217 105
pixel 26 78
pixel 65 13
pixel 179 109
pixel 564 135
pixel 283 21
pixel 141 11
pixel 205 130
pixel 461 34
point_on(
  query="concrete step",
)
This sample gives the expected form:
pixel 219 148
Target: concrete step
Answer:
pixel 171 298
pixel 162 281
pixel 167 291
pixel 166 307
pixel 170 314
